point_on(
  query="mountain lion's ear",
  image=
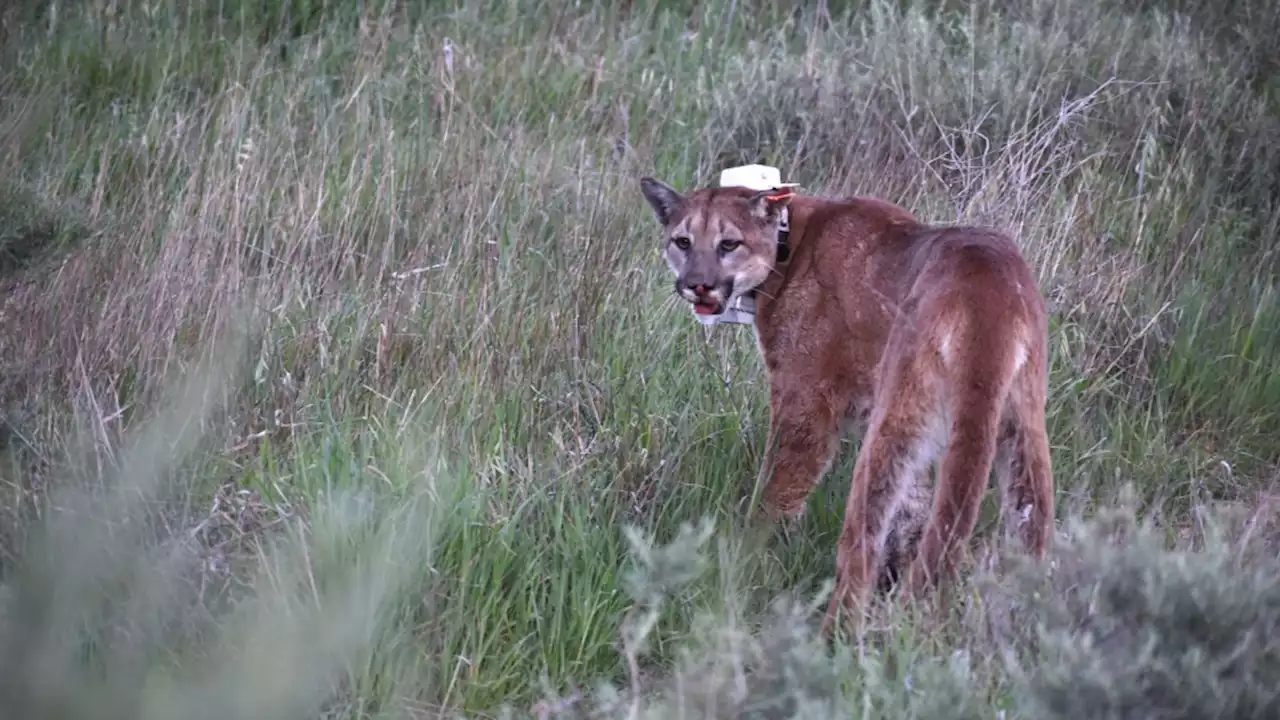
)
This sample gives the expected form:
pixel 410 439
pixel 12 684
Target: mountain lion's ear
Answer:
pixel 768 204
pixel 665 200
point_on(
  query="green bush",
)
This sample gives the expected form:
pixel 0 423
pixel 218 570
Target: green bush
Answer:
pixel 1129 627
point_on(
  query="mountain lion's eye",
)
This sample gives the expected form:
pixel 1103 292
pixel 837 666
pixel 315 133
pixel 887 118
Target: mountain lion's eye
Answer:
pixel 681 242
pixel 729 245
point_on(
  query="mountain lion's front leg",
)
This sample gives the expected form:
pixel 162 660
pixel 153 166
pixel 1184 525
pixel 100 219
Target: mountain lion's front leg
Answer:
pixel 802 439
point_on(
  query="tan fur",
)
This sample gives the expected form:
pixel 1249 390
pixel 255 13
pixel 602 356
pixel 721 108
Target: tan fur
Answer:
pixel 932 340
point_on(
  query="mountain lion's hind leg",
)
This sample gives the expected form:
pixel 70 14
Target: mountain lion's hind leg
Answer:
pixel 977 401
pixel 901 443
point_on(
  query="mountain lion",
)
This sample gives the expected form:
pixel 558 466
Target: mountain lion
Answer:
pixel 932 340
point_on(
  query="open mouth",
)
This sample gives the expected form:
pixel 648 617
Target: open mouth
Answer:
pixel 704 307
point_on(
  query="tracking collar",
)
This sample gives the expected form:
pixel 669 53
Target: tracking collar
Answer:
pixel 784 236
pixel 748 300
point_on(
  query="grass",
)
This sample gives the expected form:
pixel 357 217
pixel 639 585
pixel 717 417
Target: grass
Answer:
pixel 339 376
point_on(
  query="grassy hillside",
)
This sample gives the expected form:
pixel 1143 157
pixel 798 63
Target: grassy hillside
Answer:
pixel 340 376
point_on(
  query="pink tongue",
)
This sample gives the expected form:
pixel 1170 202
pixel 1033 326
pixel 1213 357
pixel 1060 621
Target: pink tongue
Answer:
pixel 704 308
